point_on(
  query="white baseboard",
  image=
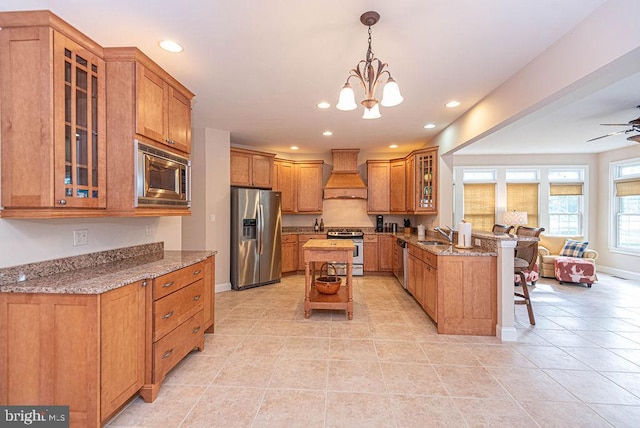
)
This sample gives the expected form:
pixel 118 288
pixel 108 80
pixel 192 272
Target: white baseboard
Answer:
pixel 223 287
pixel 619 272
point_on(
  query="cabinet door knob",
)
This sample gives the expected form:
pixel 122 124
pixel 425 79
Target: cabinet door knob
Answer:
pixel 144 283
pixel 62 202
pixel 169 315
pixel 168 284
pixel 195 330
pixel 196 298
pixel 197 272
pixel 166 354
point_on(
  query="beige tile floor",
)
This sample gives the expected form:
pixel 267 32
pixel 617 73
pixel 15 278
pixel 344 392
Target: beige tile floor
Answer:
pixel 266 366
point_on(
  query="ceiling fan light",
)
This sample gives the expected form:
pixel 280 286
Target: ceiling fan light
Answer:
pixel 347 99
pixel 372 113
pixel 391 94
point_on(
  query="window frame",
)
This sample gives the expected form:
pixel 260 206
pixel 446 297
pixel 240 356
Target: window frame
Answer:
pixel 616 176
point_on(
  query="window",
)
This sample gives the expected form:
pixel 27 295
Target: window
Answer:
pixel 524 197
pixel 626 180
pixel 480 205
pixel 565 209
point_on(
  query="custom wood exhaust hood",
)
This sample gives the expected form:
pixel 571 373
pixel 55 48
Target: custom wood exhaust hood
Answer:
pixel 345 182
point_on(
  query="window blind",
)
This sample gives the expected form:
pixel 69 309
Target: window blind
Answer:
pixel 480 205
pixel 628 187
pixel 524 197
pixel 565 189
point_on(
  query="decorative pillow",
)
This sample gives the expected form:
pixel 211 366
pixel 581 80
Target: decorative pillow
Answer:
pixel 573 248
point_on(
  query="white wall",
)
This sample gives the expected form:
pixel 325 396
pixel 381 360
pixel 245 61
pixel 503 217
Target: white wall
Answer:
pixel 28 241
pixel 208 227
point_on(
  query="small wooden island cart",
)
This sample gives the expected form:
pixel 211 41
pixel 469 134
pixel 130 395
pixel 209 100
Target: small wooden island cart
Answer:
pixel 327 251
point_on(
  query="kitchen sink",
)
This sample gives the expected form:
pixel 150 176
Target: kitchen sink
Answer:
pixel 433 243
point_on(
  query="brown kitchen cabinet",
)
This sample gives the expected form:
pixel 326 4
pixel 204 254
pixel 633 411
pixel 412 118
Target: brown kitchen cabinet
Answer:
pixel 138 109
pixel 95 345
pixel 177 323
pixel 423 184
pixel 251 168
pixel 302 239
pixel 300 184
pixel 163 107
pixel 457 292
pixel 397 186
pixel 52 98
pixel 410 184
pixel 385 252
pixel 284 181
pixel 467 295
pixel 378 186
pixel 289 253
pixel 309 187
pixel 371 253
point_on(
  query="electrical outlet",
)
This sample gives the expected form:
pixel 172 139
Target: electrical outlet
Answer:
pixel 212 218
pixel 477 242
pixel 80 237
pixel 147 230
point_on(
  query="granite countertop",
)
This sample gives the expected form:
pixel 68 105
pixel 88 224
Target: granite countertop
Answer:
pixel 447 250
pixel 101 278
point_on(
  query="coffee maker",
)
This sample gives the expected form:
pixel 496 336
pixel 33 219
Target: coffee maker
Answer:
pixel 379 223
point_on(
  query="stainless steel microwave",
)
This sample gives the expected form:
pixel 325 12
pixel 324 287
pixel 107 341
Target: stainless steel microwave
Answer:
pixel 162 178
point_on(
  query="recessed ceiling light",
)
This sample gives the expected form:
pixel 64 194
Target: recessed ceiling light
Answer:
pixel 393 146
pixel 294 147
pixel 323 105
pixel 170 46
pixel 327 133
pixel 429 126
pixel 452 104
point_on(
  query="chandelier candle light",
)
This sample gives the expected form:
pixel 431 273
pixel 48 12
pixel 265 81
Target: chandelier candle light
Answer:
pixel 369 72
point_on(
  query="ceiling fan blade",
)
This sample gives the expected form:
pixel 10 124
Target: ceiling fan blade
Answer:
pixel 608 135
pixel 635 138
pixel 614 124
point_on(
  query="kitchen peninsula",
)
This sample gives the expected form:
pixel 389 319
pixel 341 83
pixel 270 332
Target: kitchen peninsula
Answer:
pixel 109 325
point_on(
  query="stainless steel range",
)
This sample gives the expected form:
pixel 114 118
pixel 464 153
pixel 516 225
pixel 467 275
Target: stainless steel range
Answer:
pixel 357 236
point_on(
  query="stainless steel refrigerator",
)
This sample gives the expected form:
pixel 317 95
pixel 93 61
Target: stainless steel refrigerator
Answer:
pixel 256 229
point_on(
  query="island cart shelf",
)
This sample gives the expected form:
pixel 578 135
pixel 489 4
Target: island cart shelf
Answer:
pixel 327 251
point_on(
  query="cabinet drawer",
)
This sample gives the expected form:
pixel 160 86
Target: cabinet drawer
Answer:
pixel 289 239
pixel 174 309
pixel 430 258
pixel 415 251
pixel 174 281
pixel 172 348
pixel 370 238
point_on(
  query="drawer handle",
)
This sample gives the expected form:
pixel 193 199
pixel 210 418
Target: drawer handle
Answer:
pixel 197 272
pixel 196 298
pixel 168 284
pixel 195 330
pixel 169 315
pixel 166 354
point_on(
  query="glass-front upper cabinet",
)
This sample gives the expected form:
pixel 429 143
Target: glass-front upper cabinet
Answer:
pixel 80 132
pixel 426 168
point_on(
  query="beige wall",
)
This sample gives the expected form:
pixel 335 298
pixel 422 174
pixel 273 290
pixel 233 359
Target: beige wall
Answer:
pixel 209 226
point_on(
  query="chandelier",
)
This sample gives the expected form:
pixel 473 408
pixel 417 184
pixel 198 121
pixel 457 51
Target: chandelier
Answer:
pixel 369 73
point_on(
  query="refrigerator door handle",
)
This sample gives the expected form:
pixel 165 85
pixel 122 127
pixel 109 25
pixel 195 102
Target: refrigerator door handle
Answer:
pixel 260 227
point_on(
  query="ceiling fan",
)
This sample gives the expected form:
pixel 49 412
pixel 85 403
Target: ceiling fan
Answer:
pixel 634 127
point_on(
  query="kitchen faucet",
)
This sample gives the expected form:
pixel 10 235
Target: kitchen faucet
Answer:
pixel 449 235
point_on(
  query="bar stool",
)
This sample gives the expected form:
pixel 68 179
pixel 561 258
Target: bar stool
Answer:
pixel 526 256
